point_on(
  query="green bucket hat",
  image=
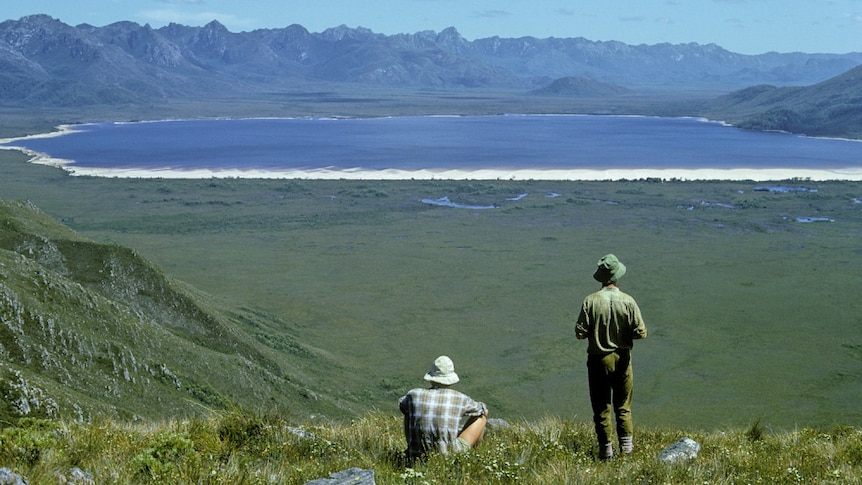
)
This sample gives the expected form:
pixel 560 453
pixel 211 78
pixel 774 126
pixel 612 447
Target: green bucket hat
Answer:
pixel 609 270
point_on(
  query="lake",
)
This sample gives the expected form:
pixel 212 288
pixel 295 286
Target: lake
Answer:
pixel 503 146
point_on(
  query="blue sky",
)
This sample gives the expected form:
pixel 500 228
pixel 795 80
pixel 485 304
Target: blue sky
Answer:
pixel 744 26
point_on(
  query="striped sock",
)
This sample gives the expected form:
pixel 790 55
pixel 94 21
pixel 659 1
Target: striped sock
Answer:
pixel 626 445
pixel 606 451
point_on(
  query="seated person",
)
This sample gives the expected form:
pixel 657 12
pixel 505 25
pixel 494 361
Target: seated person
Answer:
pixel 439 417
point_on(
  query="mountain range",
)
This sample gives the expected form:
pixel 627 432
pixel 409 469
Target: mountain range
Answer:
pixel 45 62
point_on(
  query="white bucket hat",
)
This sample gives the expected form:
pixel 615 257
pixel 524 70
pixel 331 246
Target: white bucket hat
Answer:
pixel 443 372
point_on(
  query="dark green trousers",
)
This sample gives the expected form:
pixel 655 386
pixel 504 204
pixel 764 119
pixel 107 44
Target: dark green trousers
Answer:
pixel 611 384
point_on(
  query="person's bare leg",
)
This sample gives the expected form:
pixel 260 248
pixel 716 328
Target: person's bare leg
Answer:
pixel 474 430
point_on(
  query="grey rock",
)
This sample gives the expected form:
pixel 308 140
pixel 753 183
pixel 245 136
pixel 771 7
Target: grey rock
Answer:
pixel 8 477
pixel 682 450
pixel 76 476
pixel 499 423
pixel 301 433
pixel 352 476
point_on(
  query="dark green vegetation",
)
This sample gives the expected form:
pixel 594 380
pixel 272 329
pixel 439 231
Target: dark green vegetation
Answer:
pixel 262 449
pixel 753 315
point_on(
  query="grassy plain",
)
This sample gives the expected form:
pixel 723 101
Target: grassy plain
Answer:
pixel 753 315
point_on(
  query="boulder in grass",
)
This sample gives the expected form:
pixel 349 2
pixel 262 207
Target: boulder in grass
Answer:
pixel 8 477
pixel 683 450
pixel 498 423
pixel 352 476
pixel 76 476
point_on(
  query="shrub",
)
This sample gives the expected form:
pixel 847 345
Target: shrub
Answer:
pixel 165 456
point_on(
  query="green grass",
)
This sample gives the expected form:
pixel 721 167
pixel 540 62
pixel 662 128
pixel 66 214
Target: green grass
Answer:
pixel 742 303
pixel 323 301
pixel 259 448
pixel 751 314
pixel 90 329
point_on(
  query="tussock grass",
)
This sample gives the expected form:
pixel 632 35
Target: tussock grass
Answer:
pixel 259 448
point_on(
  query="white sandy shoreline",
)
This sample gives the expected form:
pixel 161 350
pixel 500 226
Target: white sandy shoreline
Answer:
pixel 733 174
pixel 759 175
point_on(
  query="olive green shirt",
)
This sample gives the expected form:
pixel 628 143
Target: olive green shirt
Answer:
pixel 611 320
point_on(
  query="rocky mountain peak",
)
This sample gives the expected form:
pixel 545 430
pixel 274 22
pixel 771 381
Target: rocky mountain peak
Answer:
pixel 343 32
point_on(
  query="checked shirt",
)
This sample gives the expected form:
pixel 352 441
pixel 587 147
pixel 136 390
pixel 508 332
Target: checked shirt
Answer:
pixel 433 418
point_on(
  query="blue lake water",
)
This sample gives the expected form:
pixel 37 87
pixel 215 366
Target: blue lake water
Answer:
pixel 509 143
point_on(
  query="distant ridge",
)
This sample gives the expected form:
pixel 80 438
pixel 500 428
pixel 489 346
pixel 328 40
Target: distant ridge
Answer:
pixel 45 62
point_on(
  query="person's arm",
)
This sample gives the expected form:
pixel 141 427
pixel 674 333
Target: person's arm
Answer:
pixel 582 327
pixel 404 404
pixel 483 410
pixel 476 408
pixel 639 329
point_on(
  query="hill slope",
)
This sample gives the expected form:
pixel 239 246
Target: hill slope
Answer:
pixel 579 86
pixel 89 328
pixel 830 108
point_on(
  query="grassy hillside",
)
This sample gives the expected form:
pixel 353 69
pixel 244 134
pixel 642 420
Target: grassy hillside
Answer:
pixel 829 108
pixel 265 448
pixel 95 329
pixel 742 299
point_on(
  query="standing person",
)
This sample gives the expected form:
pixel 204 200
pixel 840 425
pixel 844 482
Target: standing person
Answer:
pixel 439 417
pixel 611 321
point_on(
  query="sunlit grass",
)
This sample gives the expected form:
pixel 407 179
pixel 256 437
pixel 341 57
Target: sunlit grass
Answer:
pixel 266 448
